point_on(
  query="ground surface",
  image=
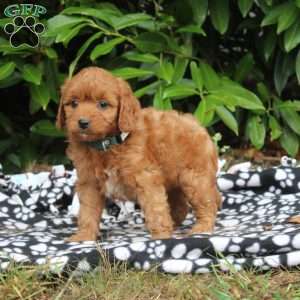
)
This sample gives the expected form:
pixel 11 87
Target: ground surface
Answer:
pixel 120 283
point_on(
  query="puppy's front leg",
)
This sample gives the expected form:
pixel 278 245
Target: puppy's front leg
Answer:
pixel 92 202
pixel 152 197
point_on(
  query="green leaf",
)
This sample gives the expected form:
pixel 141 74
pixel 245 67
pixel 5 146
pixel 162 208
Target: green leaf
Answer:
pixel 6 70
pixel 128 72
pixel 205 112
pixel 269 43
pixel 263 92
pixel 275 128
pixel 290 142
pixel 219 13
pixel 273 15
pixel 284 65
pixel 292 37
pixel 291 118
pixel 179 69
pixel 151 42
pixel 178 91
pixel 47 128
pixel 148 89
pixel 101 14
pixel 160 103
pixel 192 29
pixel 236 95
pixel 141 57
pixel 297 66
pixel 244 67
pixel 211 79
pixel 130 20
pixel 199 8
pixel 256 130
pixel 40 94
pixel 32 73
pixel 60 22
pixel 227 117
pixel 165 71
pixel 105 47
pixel 66 35
pixel 294 105
pixel 245 6
pixel 196 75
pixel 287 17
pixel 81 51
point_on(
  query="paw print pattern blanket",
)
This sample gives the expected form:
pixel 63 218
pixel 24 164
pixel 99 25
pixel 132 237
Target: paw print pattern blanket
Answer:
pixel 253 230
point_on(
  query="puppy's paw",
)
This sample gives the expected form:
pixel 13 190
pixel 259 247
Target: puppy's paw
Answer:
pixel 81 236
pixel 201 228
pixel 161 235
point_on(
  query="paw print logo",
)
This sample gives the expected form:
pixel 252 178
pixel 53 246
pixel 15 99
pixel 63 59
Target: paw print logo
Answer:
pixel 24 31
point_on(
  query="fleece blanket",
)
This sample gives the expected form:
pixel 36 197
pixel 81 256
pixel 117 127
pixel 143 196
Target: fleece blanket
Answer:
pixel 254 228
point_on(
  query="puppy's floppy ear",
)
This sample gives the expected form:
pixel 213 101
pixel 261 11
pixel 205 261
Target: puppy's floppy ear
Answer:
pixel 129 107
pixel 61 117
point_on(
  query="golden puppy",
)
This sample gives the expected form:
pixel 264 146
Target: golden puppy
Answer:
pixel 163 160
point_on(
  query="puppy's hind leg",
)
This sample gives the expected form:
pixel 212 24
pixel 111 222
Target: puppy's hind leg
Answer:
pixel 201 190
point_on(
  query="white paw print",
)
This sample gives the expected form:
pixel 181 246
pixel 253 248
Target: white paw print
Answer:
pixel 285 176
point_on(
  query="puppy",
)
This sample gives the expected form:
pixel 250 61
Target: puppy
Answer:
pixel 162 159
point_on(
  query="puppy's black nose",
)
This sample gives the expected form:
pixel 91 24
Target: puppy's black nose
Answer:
pixel 83 123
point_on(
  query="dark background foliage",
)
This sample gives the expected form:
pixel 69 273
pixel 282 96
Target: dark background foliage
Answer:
pixel 234 64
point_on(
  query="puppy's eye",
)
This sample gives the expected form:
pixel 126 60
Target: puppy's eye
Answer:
pixel 102 104
pixel 74 103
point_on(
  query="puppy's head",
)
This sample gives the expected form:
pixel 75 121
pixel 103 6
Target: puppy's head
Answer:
pixel 95 104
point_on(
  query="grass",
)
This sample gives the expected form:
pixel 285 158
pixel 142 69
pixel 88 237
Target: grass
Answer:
pixel 118 282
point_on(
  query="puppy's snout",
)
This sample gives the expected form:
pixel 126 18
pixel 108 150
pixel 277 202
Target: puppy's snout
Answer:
pixel 83 123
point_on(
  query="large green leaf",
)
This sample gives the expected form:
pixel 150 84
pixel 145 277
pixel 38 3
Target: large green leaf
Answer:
pixel 236 95
pixel 129 72
pixel 287 17
pixel 32 73
pixel 256 130
pixel 227 117
pixel 178 91
pixel 292 37
pixel 211 79
pixel 130 20
pixel 196 75
pixel 297 66
pixel 199 8
pixel 160 103
pixel 40 94
pixel 151 42
pixel 293 105
pixel 192 29
pixel 47 128
pixel 273 15
pixel 148 89
pixel 245 6
pixel 290 142
pixel 275 128
pixel 82 49
pixel 291 118
pixel 165 71
pixel 101 14
pixel 105 48
pixel 68 34
pixel 60 22
pixel 219 13
pixel 141 57
pixel 284 65
pixel 205 112
pixel 6 70
pixel 179 69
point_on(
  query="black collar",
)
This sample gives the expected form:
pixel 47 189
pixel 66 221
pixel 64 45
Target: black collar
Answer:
pixel 106 143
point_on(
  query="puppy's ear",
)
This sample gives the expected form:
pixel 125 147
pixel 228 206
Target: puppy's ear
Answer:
pixel 129 107
pixel 61 117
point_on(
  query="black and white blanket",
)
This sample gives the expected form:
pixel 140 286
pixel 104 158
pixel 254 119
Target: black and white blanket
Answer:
pixel 252 231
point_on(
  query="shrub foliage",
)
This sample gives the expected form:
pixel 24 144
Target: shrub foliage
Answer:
pixel 234 64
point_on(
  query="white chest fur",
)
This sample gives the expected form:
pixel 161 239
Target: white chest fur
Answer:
pixel 114 188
